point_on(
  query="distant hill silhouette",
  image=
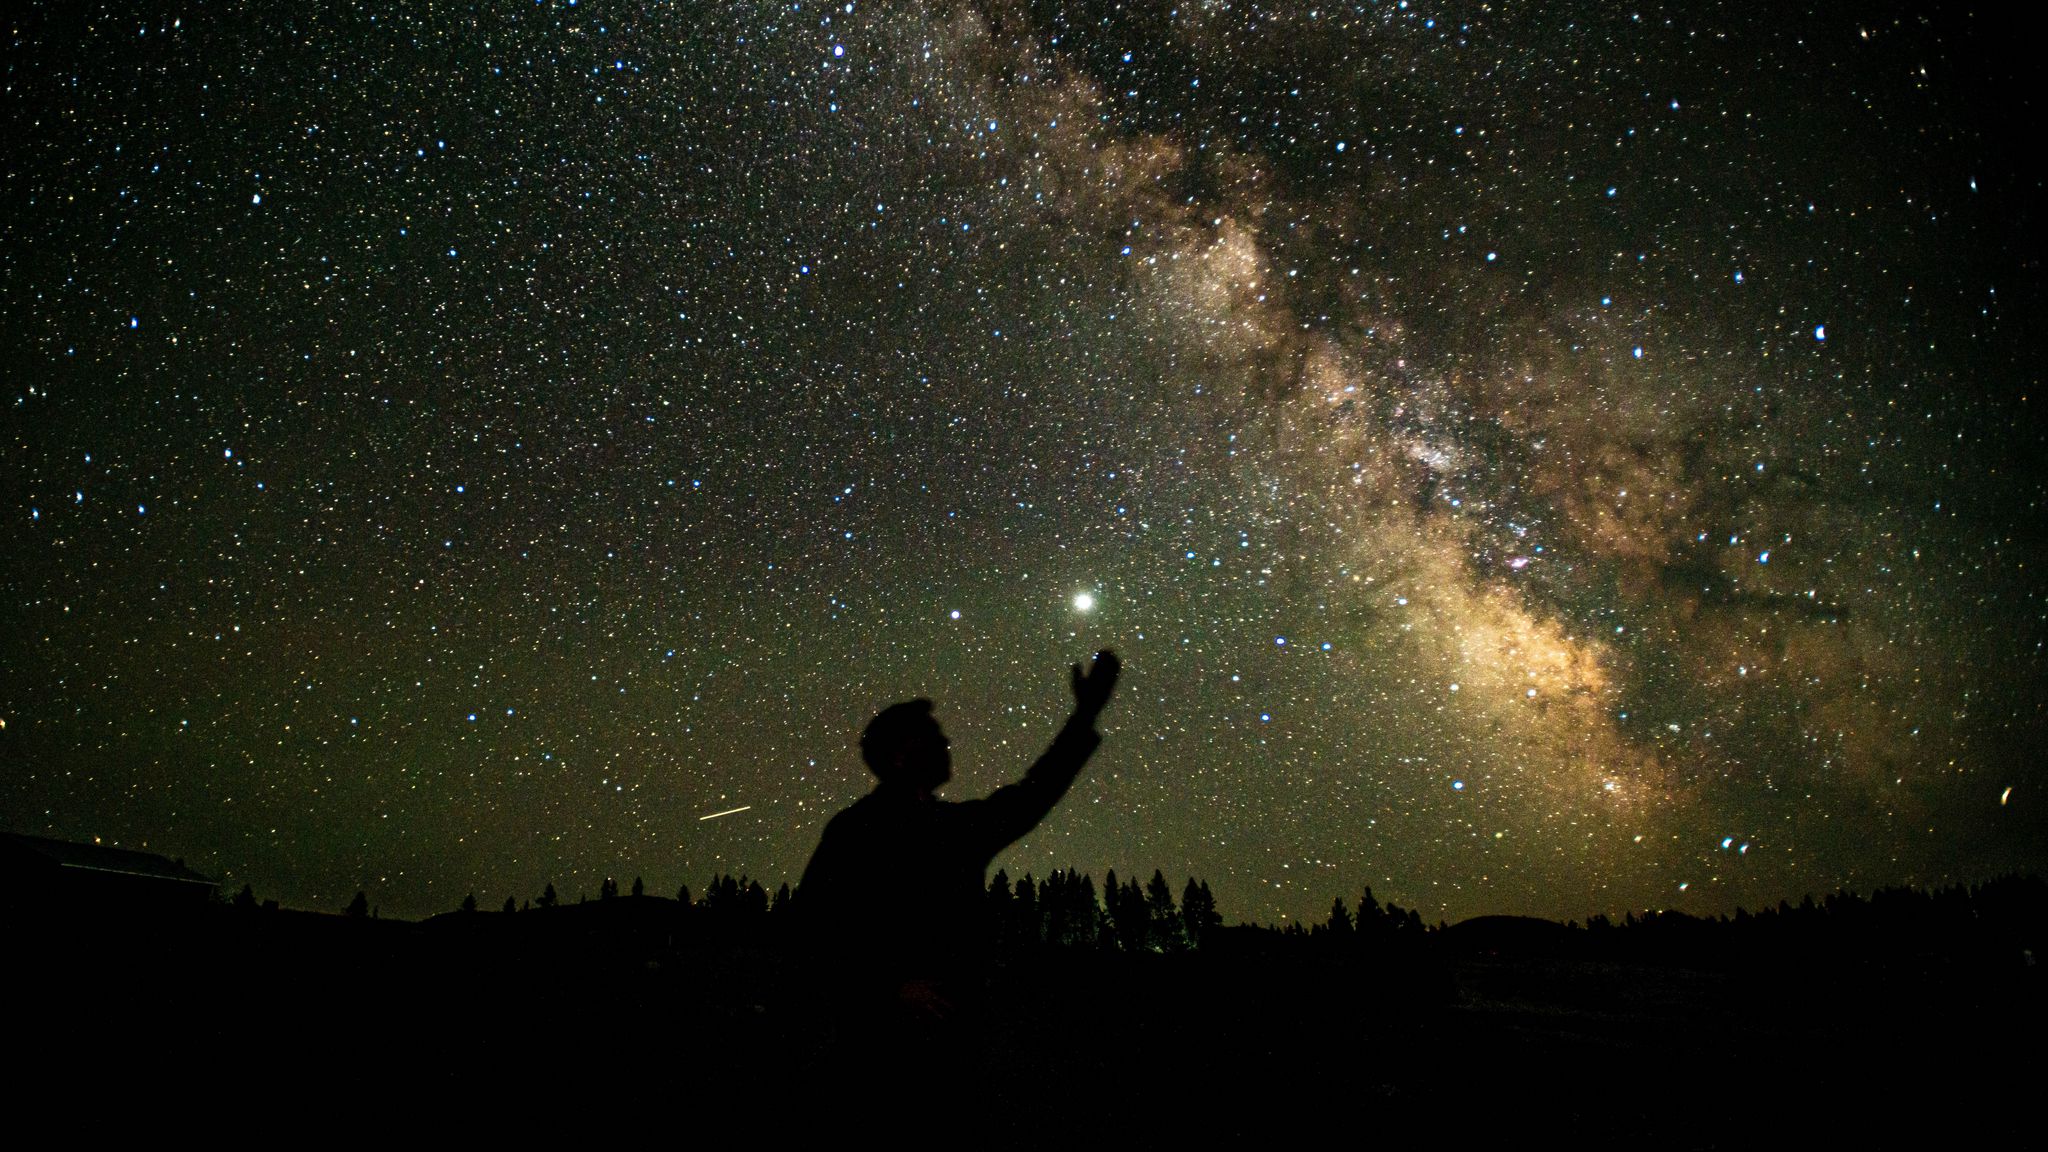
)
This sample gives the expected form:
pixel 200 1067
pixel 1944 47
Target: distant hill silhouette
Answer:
pixel 1522 935
pixel 38 872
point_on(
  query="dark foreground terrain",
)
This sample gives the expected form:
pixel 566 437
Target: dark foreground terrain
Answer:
pixel 1508 1031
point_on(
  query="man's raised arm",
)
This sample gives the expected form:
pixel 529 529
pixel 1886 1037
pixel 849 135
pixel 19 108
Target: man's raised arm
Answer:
pixel 1015 809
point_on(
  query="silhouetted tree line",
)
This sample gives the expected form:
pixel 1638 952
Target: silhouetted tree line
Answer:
pixel 2008 915
pixel 1066 911
pixel 1374 924
pixel 2010 910
pixel 1063 911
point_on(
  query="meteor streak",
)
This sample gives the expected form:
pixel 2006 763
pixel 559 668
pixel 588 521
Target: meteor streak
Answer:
pixel 727 812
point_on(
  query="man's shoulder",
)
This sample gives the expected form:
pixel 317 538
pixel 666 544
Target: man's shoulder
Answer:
pixel 882 812
pixel 873 808
pixel 851 814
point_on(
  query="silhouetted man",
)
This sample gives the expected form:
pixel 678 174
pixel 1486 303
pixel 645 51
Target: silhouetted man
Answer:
pixel 895 887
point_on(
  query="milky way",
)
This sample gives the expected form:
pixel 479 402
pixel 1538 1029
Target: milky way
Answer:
pixel 1531 460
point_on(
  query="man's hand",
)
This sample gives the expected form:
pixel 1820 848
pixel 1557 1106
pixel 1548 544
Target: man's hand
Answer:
pixel 1092 688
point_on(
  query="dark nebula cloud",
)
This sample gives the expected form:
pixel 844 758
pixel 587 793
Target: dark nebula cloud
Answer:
pixel 1540 460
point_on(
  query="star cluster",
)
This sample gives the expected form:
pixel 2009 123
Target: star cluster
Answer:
pixel 1538 460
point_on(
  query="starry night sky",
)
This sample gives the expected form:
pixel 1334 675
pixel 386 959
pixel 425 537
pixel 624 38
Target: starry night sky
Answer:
pixel 1541 459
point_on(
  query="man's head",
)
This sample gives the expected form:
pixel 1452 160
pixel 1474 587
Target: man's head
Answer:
pixel 905 747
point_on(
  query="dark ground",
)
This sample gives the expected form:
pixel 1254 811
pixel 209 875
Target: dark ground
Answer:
pixel 262 1017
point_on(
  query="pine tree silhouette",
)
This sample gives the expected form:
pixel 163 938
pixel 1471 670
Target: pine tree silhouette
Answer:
pixel 1002 905
pixel 1128 917
pixel 1163 920
pixel 1069 909
pixel 1085 921
pixel 1198 913
pixel 1025 927
pixel 1340 928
